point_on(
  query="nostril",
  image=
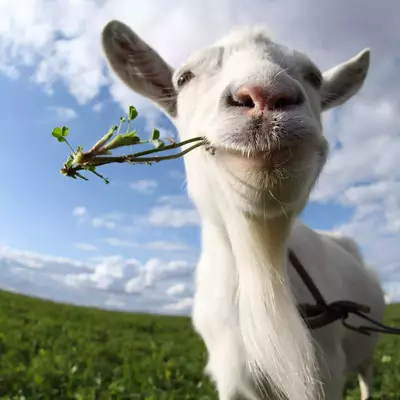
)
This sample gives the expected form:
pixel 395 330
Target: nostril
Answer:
pixel 249 96
pixel 241 99
pixel 282 102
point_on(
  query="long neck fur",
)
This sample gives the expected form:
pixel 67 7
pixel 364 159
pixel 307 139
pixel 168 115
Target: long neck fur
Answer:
pixel 278 346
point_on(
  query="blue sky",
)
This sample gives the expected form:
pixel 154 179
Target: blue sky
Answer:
pixel 133 244
pixel 38 198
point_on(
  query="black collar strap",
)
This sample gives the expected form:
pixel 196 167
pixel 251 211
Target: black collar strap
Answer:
pixel 321 313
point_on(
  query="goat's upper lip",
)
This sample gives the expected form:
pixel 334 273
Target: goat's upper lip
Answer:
pixel 253 152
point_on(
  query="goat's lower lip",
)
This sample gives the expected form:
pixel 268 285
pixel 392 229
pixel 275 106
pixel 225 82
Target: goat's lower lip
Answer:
pixel 271 159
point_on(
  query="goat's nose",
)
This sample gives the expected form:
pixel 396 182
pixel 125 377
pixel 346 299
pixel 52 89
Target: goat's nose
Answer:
pixel 257 98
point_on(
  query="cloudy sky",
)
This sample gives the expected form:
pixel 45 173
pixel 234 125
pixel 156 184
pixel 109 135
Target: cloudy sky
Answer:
pixel 133 244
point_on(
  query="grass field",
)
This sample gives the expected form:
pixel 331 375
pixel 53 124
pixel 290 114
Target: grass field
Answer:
pixel 57 352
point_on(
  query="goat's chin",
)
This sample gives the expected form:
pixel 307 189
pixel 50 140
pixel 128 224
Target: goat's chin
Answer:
pixel 272 185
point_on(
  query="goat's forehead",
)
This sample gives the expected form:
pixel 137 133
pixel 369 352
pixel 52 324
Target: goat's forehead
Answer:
pixel 245 35
pixel 243 39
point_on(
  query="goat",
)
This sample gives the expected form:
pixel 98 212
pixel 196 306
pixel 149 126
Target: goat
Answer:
pixel 259 105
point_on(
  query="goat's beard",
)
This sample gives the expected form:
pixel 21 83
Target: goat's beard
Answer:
pixel 278 347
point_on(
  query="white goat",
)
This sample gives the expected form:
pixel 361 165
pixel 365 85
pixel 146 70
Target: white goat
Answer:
pixel 259 104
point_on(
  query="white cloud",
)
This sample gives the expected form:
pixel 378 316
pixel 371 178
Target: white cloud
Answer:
pixel 376 225
pixel 181 306
pixel 155 271
pixel 174 200
pixel 176 289
pixel 63 114
pixel 368 132
pixel 85 246
pixel 9 71
pixel 166 245
pixel 100 281
pixel 170 211
pixel 108 221
pixel 108 273
pixel 79 211
pixel 392 292
pixel 119 274
pixel 116 242
pixel 173 217
pixel 97 107
pixel 60 42
pixel 378 200
pixel 145 186
pixel 113 302
pixel 28 259
pixel 113 220
pixel 151 271
pixel 162 245
pixel 103 223
pixel 134 285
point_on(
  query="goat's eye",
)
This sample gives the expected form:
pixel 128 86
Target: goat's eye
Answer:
pixel 314 79
pixel 185 78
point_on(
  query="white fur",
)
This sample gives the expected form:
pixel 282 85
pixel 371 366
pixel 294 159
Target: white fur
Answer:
pixel 249 195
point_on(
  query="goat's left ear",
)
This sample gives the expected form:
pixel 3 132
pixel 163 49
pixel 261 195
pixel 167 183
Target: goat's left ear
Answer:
pixel 138 65
pixel 345 80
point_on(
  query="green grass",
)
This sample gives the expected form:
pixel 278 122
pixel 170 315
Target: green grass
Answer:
pixel 54 352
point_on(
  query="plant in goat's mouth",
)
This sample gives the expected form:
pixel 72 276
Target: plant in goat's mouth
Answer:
pixel 100 153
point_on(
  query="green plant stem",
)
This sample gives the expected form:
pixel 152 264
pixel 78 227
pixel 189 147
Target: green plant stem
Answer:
pixel 170 146
pixel 136 158
pixel 66 141
pixel 94 161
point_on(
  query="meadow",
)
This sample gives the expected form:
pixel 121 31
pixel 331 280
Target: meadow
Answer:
pixel 52 351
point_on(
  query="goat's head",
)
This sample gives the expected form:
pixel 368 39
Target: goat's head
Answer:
pixel 257 102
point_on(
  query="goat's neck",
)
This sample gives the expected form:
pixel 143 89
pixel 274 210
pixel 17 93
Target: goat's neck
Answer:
pixel 256 240
pixel 257 291
pixel 226 256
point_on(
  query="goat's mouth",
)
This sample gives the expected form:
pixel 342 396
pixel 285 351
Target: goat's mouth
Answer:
pixel 268 143
pixel 247 158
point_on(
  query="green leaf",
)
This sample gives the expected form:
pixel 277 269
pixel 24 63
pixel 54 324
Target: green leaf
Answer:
pixel 57 131
pixel 104 139
pixel 70 161
pixel 157 143
pixel 132 113
pixel 64 131
pixel 58 134
pixel 126 139
pixel 155 139
pixel 59 138
pixel 155 135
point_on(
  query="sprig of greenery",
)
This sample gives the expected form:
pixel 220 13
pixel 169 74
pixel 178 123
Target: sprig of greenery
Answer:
pixel 100 153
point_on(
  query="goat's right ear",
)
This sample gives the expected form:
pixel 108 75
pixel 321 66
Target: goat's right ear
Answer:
pixel 138 65
pixel 345 80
